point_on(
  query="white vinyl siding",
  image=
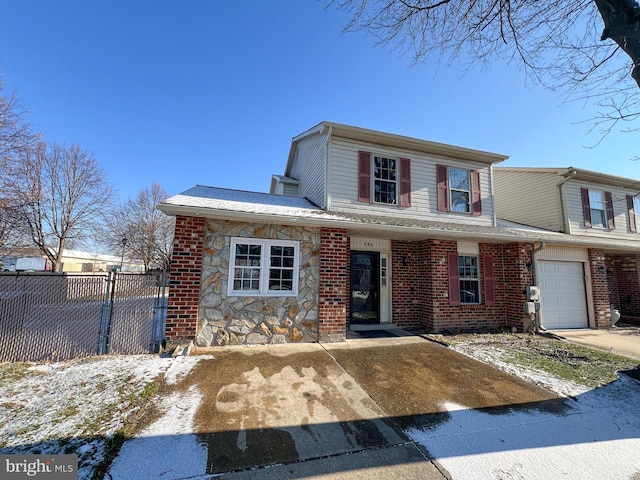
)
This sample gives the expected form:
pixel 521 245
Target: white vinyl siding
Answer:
pixel 620 211
pixel 309 168
pixel 528 198
pixel 343 188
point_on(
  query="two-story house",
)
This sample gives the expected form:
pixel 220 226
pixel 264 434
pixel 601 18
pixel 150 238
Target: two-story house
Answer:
pixel 601 215
pixel 362 230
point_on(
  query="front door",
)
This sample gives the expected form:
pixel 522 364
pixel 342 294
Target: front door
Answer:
pixel 365 298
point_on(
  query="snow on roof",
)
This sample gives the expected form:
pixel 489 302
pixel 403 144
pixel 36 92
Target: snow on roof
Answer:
pixel 216 198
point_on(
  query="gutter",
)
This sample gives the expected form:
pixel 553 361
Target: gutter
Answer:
pixel 572 174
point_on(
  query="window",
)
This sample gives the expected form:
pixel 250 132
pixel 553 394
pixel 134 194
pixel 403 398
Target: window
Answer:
pixel 263 267
pixel 597 209
pixel 464 279
pixel 458 190
pixel 636 213
pixel 469 279
pixel 384 183
pixel 390 181
pixel 597 206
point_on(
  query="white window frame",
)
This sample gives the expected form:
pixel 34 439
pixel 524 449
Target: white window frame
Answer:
pixel 375 179
pixel 636 211
pixel 451 189
pixel 264 267
pixel 596 197
pixel 476 279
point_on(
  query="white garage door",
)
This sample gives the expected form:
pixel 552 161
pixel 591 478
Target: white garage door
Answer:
pixel 563 300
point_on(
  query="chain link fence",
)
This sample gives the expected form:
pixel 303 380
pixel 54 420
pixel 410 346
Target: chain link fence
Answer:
pixel 46 317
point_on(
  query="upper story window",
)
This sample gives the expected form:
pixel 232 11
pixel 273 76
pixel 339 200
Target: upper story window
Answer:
pixel 633 206
pixel 389 179
pixel 384 180
pixel 597 205
pixel 597 209
pixel 458 190
pixel 263 267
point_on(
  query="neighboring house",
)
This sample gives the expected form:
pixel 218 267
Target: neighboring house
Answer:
pixel 598 210
pixel 363 230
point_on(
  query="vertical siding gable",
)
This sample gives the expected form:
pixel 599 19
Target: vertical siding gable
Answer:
pixel 309 168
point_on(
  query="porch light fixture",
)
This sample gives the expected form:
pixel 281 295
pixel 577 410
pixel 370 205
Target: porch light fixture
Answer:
pixel 529 266
pixel 405 261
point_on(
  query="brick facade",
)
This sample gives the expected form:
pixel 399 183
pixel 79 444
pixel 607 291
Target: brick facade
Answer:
pixel 599 287
pixel 184 291
pixel 333 291
pixel 419 285
pixel 623 279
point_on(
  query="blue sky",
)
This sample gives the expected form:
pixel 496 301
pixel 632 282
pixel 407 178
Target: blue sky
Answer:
pixel 211 92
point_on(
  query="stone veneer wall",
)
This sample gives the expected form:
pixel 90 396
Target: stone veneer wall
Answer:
pixel 225 320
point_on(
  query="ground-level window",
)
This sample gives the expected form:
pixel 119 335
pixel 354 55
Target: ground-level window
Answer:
pixel 468 273
pixel 263 267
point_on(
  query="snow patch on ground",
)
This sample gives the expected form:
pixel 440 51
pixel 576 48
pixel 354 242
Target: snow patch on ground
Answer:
pixel 75 406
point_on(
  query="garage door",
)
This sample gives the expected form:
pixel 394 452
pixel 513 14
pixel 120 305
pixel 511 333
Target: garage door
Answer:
pixel 563 300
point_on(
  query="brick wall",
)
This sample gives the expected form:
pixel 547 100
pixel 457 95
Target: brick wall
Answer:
pixel 333 292
pixel 623 277
pixel 600 289
pixel 421 293
pixel 518 275
pixel 184 291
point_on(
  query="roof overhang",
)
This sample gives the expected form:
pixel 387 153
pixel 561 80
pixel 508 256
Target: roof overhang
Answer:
pixel 392 228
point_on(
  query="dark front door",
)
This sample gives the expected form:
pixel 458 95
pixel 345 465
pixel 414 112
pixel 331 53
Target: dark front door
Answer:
pixel 365 298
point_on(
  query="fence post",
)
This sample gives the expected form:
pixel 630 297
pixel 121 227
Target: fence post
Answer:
pixel 107 315
pixel 159 314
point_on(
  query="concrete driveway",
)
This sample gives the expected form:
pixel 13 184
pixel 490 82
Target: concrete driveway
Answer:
pixel 622 340
pixel 323 411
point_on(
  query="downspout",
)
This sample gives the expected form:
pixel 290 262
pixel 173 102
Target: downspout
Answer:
pixel 534 260
pixel 573 173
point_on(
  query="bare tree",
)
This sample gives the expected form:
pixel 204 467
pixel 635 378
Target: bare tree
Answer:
pixel 144 233
pixel 587 48
pixel 16 136
pixel 60 193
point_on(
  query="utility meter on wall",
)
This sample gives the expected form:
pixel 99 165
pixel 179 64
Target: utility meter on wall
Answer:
pixel 533 293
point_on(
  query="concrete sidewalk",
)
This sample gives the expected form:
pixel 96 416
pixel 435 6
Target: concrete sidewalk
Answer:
pixel 316 411
pixel 622 340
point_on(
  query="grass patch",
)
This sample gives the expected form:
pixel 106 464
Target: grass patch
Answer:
pixel 13 372
pixel 579 364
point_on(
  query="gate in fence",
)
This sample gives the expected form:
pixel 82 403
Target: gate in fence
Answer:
pixel 59 316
